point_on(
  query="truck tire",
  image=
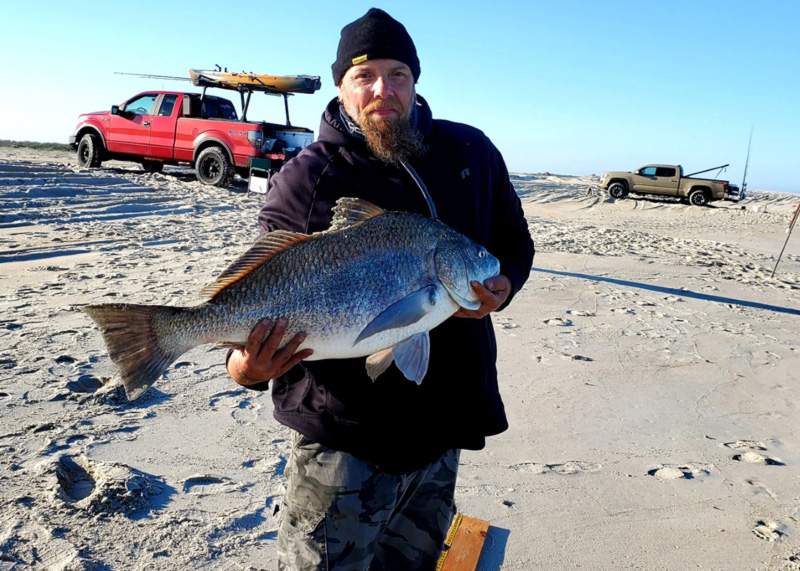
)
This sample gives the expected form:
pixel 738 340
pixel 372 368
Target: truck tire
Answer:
pixel 617 190
pixel 90 151
pixel 213 167
pixel 152 166
pixel 698 197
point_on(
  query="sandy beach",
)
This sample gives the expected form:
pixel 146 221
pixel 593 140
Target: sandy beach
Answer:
pixel 649 368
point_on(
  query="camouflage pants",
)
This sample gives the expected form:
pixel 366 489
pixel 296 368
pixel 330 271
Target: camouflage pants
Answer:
pixel 342 513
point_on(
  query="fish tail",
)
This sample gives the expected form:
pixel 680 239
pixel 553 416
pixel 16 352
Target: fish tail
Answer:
pixel 139 349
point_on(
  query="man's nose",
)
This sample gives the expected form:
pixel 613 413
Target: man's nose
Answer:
pixel 381 87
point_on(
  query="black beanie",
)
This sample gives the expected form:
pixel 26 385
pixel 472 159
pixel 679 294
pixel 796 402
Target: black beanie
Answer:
pixel 376 35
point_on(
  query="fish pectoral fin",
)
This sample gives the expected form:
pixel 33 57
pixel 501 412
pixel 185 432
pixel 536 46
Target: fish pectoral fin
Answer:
pixel 229 345
pixel 408 310
pixel 262 250
pixel 412 356
pixel 377 363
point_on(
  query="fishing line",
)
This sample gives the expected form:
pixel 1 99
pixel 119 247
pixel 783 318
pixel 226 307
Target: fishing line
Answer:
pixel 423 189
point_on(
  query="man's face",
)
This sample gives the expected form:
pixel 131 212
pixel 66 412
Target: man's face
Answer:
pixel 379 95
pixel 377 91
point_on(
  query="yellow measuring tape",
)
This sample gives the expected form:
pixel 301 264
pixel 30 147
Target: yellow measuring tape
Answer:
pixel 451 535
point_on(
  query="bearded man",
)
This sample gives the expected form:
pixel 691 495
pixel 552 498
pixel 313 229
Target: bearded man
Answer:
pixel 372 471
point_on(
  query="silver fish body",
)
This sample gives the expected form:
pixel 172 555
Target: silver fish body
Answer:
pixel 372 285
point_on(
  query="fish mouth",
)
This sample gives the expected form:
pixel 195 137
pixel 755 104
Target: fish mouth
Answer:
pixel 464 302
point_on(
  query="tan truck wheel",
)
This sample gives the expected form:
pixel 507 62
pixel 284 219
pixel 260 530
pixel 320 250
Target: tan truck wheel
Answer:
pixel 617 190
pixel 698 197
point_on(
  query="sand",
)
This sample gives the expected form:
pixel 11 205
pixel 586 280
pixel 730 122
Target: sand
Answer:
pixel 649 368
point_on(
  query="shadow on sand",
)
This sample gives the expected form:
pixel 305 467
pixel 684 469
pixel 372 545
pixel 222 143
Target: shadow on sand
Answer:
pixel 674 291
pixel 494 549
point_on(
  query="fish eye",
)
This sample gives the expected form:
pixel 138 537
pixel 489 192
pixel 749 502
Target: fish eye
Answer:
pixel 481 253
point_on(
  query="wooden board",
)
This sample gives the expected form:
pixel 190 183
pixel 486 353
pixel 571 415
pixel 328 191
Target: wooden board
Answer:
pixel 463 545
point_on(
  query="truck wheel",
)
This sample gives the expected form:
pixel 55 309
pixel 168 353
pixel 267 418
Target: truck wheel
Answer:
pixel 698 198
pixel 90 151
pixel 617 190
pixel 214 167
pixel 152 166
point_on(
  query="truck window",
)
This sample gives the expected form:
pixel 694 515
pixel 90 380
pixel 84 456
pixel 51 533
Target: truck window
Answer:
pixel 648 171
pixel 141 105
pixel 664 171
pixel 218 108
pixel 167 105
pixel 227 109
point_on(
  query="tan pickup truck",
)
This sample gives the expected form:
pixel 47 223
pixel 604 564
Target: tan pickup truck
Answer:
pixel 669 180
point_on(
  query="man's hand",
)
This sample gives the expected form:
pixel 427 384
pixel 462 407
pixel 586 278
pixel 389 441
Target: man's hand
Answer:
pixel 260 359
pixel 492 293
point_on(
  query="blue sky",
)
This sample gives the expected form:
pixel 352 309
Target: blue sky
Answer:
pixel 570 87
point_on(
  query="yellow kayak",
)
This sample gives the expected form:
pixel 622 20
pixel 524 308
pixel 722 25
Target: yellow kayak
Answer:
pixel 254 82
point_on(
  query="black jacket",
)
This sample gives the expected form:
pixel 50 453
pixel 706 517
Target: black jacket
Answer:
pixel 392 422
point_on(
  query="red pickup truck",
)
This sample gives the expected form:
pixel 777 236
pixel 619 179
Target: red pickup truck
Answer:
pixel 157 128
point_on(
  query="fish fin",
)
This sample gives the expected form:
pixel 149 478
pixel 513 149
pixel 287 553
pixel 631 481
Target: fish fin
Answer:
pixel 411 356
pixel 133 343
pixel 408 310
pixel 229 345
pixel 262 250
pixel 351 211
pixel 377 363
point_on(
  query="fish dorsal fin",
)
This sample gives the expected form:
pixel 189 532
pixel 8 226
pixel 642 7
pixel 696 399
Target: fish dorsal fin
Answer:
pixel 351 211
pixel 262 250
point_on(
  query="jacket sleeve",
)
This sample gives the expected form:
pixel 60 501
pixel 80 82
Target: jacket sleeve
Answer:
pixel 509 237
pixel 290 199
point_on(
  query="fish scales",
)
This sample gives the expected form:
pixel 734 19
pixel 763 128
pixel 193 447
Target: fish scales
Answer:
pixel 378 280
pixel 334 282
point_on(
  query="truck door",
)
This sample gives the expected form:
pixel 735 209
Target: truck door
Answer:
pixel 642 180
pixel 130 130
pixel 666 181
pixel 162 127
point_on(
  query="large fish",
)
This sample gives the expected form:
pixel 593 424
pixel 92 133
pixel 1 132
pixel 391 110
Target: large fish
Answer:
pixel 374 284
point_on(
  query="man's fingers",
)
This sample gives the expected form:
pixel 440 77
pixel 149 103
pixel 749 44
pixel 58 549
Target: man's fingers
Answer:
pixel 486 295
pixel 254 341
pixel 291 347
pixel 270 342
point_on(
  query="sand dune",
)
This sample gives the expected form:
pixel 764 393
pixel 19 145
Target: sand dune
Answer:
pixel 649 368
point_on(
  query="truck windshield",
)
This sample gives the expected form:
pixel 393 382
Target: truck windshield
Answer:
pixel 141 105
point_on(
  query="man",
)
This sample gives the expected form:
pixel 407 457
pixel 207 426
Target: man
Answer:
pixel 371 478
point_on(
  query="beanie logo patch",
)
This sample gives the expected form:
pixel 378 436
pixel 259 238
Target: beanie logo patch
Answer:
pixel 359 59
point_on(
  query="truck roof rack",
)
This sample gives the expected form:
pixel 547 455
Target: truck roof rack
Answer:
pixel 246 83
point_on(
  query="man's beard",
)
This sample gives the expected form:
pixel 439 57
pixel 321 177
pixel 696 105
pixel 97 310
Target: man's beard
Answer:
pixel 392 139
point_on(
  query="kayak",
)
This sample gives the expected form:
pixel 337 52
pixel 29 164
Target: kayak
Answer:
pixel 254 82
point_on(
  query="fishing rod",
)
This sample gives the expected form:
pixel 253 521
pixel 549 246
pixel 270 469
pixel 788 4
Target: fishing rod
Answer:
pixel 788 235
pixel 151 76
pixel 746 162
pixel 170 77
